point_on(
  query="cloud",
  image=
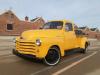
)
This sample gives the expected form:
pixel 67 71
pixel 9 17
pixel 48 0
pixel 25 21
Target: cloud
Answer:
pixel 83 12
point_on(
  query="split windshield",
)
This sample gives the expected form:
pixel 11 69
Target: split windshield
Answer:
pixel 53 25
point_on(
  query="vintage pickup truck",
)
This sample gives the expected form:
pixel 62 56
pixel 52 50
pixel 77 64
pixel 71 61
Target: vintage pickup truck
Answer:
pixel 51 42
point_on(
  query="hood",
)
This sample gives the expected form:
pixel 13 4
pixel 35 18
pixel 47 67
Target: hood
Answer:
pixel 41 33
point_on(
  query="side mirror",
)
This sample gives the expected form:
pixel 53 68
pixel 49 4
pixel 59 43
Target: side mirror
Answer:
pixel 79 32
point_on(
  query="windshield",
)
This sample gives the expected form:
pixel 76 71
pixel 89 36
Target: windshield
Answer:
pixel 53 25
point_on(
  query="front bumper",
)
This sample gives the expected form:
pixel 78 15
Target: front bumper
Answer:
pixel 15 52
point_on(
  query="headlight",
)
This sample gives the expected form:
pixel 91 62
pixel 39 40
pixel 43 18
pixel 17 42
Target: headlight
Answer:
pixel 38 42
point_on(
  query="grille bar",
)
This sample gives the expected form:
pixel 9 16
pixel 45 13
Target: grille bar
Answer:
pixel 26 46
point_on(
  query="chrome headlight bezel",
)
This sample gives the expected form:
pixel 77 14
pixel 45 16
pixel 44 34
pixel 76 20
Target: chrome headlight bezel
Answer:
pixel 38 42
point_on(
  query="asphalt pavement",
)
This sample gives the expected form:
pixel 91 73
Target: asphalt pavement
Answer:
pixel 72 64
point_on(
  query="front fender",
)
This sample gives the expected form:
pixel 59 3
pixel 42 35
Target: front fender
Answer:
pixel 49 42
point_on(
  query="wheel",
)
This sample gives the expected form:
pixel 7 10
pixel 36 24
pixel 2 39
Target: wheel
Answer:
pixel 85 49
pixel 52 57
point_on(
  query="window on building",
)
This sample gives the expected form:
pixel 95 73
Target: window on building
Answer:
pixel 68 27
pixel 9 26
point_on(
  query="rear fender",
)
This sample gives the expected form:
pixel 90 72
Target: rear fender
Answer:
pixel 83 42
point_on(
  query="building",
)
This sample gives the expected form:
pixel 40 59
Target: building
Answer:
pixel 91 32
pixel 11 25
pixel 95 32
pixel 84 29
pixel 94 29
pixel 98 36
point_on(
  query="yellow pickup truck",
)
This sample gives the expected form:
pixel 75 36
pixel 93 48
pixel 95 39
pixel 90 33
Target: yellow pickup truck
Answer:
pixel 51 41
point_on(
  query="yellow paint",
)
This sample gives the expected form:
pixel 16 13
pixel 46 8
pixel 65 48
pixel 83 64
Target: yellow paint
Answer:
pixel 65 40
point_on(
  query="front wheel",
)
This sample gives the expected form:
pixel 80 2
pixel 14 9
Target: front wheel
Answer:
pixel 52 57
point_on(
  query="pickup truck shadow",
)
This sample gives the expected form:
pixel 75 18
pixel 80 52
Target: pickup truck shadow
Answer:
pixel 34 60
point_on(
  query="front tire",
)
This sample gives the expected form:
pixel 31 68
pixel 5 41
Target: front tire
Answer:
pixel 52 57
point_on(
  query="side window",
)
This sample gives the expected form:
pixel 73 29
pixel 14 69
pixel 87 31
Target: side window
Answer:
pixel 68 27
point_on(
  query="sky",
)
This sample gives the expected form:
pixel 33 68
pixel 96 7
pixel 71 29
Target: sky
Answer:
pixel 82 12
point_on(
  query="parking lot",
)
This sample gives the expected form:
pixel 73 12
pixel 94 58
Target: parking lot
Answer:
pixel 71 64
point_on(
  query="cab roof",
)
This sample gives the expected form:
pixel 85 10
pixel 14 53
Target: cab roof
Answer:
pixel 64 20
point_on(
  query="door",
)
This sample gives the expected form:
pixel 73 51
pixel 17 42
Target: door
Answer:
pixel 69 36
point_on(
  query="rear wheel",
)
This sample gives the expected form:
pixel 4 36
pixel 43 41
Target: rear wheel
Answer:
pixel 52 57
pixel 84 50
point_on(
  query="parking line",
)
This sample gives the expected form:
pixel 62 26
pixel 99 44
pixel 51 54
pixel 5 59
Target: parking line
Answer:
pixel 73 64
pixel 47 68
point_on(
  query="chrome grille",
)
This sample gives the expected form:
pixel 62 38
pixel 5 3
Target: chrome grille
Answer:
pixel 26 46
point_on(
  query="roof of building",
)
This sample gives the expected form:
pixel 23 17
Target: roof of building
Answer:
pixel 5 11
pixel 82 27
pixel 36 19
pixel 93 29
pixel 28 22
pixel 8 12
